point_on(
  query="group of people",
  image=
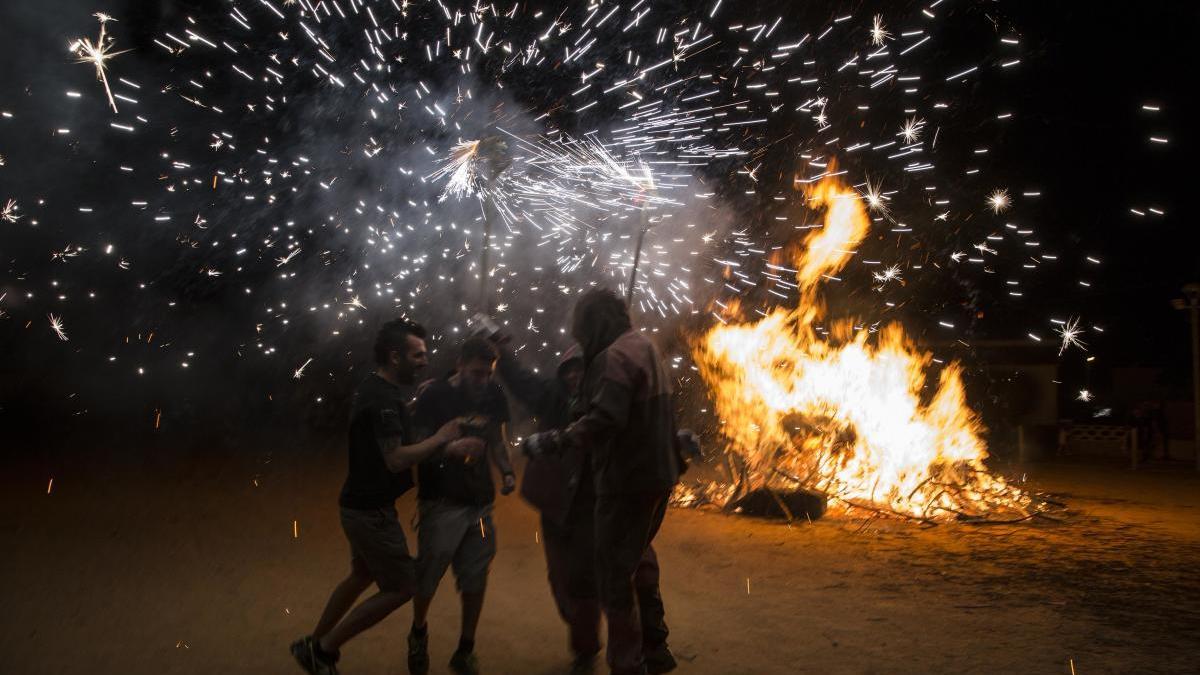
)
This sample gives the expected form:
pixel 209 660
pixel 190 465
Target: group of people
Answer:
pixel 600 470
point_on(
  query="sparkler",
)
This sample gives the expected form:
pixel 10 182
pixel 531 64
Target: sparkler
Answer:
pixel 98 53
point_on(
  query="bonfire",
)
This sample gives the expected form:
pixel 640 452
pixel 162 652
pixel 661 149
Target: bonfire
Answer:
pixel 849 414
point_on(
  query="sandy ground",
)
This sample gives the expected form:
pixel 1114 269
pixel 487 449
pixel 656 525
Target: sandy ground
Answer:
pixel 192 567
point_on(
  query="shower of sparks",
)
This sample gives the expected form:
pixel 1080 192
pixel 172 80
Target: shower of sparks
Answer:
pixel 462 169
pixel 1085 396
pixel 9 212
pixel 98 53
pixel 56 325
pixel 1070 332
pixel 878 33
pixel 999 201
pixel 622 119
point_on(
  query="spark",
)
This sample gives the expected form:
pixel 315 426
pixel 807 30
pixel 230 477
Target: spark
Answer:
pixel 1070 333
pixel 999 200
pixel 1084 395
pixel 873 193
pixel 283 260
pixel 299 373
pixel 878 33
pixel 911 131
pixel 9 212
pixel 97 53
pixel 890 274
pixel 56 325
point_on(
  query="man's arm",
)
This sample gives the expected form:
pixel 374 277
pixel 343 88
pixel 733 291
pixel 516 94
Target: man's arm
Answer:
pixel 398 457
pixel 527 387
pixel 607 413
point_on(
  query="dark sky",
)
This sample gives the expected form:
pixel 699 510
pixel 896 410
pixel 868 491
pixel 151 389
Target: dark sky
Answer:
pixel 1079 136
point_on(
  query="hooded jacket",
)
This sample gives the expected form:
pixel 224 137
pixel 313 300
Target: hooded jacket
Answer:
pixel 547 481
pixel 628 425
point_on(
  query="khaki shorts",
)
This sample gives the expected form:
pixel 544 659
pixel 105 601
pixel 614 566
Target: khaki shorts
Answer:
pixel 378 544
pixel 454 535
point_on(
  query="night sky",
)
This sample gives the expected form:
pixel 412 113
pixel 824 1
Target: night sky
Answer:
pixel 1078 135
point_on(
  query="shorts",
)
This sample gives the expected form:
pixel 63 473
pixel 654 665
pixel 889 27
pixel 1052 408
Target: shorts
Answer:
pixel 454 535
pixel 377 543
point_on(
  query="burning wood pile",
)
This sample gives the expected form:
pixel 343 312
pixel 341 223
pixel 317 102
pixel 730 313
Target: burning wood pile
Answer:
pixel 844 414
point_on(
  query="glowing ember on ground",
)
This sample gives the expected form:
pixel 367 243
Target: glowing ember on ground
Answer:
pixel 848 414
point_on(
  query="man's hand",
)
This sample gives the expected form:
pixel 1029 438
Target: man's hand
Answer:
pixel 468 448
pixel 545 442
pixel 510 484
pixel 450 431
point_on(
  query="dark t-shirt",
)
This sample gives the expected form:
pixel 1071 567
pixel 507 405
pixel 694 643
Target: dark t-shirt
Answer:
pixel 454 479
pixel 378 416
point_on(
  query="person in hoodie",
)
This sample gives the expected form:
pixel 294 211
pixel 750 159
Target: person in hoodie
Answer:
pixel 632 460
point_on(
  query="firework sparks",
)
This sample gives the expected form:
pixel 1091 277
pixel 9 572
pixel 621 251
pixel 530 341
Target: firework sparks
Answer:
pixel 9 212
pixel 878 33
pixel 461 170
pixel 679 118
pixel 1070 332
pixel 56 325
pixel 999 201
pixel 98 53
pixel 912 130
pixel 299 372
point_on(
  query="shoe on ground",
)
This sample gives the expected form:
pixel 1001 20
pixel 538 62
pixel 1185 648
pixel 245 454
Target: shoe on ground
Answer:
pixel 660 660
pixel 418 654
pixel 310 659
pixel 464 663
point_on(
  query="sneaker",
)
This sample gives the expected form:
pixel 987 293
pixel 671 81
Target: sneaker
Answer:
pixel 583 665
pixel 464 663
pixel 660 660
pixel 418 653
pixel 310 658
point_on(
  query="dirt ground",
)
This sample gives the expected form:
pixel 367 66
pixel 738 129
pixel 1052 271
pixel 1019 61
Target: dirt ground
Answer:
pixel 216 564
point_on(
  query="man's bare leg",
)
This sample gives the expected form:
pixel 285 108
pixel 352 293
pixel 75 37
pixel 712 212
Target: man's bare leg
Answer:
pixel 342 599
pixel 368 613
pixel 421 610
pixel 472 607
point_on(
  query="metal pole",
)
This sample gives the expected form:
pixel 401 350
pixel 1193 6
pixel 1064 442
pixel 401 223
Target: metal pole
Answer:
pixel 1195 307
pixel 637 257
pixel 485 298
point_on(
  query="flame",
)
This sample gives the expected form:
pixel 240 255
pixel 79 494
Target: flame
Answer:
pixel 847 414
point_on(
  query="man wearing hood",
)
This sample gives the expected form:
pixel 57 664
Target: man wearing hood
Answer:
pixel 554 403
pixel 627 435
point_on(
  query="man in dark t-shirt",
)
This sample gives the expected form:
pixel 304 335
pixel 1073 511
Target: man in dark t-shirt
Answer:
pixel 455 499
pixel 382 451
